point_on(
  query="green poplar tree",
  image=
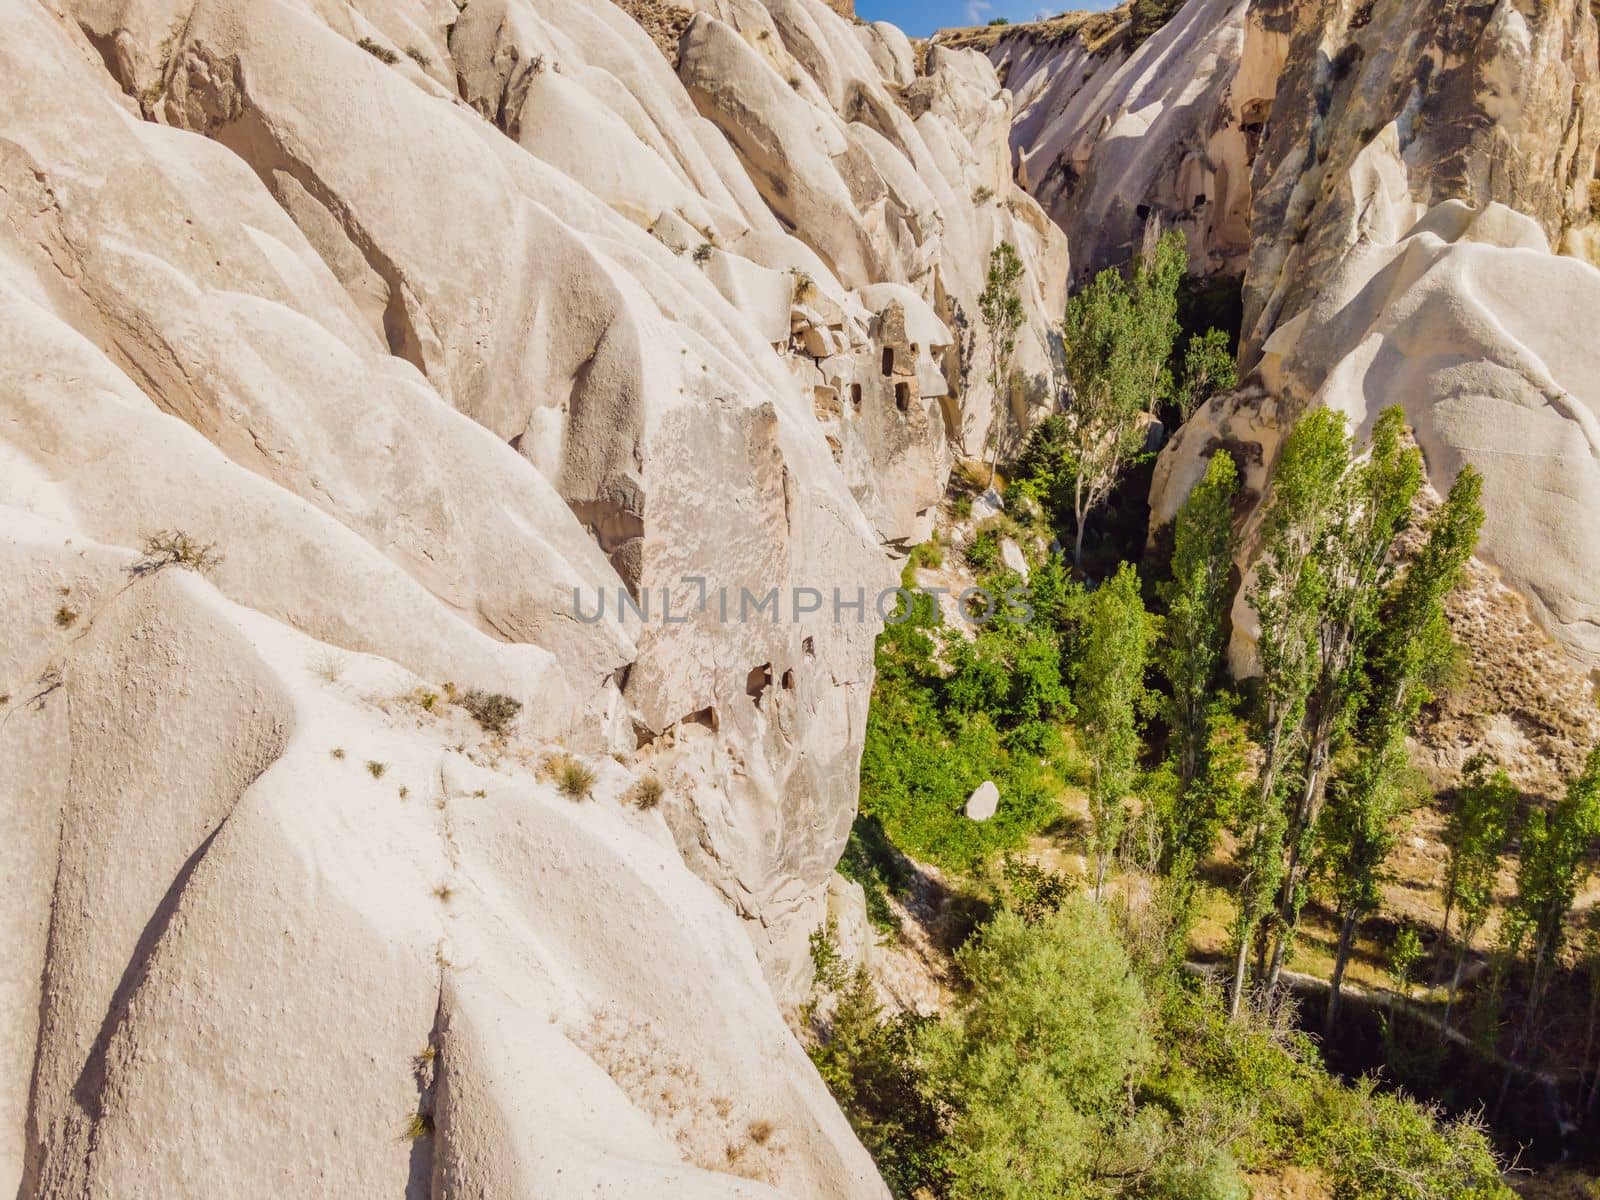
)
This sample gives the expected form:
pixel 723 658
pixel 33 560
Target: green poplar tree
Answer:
pixel 1359 836
pixel 1000 307
pixel 1476 835
pixel 1287 596
pixel 1409 656
pixel 1371 506
pixel 1118 337
pixel 1208 368
pixel 1189 655
pixel 1555 847
pixel 1109 692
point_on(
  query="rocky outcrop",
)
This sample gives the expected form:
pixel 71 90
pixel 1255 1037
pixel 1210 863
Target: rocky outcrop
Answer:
pixel 444 328
pixel 1115 134
pixel 1384 110
pixel 1418 179
pixel 1420 167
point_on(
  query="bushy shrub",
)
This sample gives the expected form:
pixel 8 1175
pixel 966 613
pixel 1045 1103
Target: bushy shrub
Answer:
pixel 929 555
pixel 647 793
pixel 573 778
pixel 174 548
pixel 492 710
pixel 948 714
pixel 869 1063
pixel 1038 1061
pixel 983 551
pixel 1064 1070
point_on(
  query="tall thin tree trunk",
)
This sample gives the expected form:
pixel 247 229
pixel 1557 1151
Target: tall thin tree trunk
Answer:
pixel 1240 964
pixel 1455 984
pixel 1530 1014
pixel 1310 809
pixel 1003 411
pixel 1449 907
pixel 1336 985
pixel 1280 952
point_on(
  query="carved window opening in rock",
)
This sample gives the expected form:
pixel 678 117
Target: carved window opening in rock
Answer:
pixel 809 647
pixel 902 395
pixel 788 680
pixel 888 361
pixel 1142 211
pixel 706 717
pixel 855 396
pixel 758 681
pixel 1200 200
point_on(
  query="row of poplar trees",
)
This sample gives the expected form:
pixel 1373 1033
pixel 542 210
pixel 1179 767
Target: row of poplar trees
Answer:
pixel 1351 640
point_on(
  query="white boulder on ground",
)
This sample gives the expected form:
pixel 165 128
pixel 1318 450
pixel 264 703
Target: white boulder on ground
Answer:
pixel 984 801
pixel 987 505
pixel 1014 559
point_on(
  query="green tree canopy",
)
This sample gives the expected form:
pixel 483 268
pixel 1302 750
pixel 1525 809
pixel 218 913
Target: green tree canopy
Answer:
pixel 1110 692
pixel 1118 338
pixel 1037 1060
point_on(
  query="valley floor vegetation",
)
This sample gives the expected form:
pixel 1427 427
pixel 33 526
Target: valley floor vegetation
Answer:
pixel 1087 1053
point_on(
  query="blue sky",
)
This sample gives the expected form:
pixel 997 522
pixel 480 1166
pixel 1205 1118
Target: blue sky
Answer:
pixel 919 18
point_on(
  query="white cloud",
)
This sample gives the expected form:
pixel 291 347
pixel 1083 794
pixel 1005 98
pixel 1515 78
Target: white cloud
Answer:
pixel 976 9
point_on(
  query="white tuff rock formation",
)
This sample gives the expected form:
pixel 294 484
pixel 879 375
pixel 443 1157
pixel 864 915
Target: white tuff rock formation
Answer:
pixel 429 318
pixel 1418 179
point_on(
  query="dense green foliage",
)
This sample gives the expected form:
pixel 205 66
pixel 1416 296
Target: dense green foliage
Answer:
pixel 1120 360
pixel 1117 342
pixel 869 1064
pixel 1036 1063
pixel 949 713
pixel 1111 693
pixel 1080 1060
pixel 1197 596
pixel 1207 369
pixel 1555 846
pixel 1071 1069
pixel 1405 653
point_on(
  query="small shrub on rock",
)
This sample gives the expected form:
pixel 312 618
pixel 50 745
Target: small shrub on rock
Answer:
pixel 492 710
pixel 573 779
pixel 380 52
pixel 647 793
pixel 174 548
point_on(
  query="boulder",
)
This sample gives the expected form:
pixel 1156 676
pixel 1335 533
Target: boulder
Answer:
pixel 983 802
pixel 1014 559
pixel 988 504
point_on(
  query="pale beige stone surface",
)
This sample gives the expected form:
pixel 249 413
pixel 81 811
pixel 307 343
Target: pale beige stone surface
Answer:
pixel 423 348
pixel 1108 139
